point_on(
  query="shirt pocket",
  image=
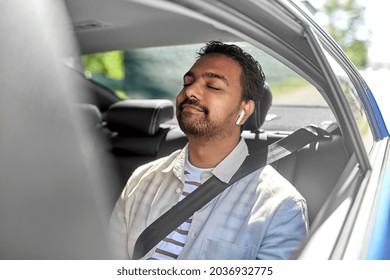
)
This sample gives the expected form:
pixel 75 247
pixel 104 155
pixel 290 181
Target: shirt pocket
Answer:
pixel 212 249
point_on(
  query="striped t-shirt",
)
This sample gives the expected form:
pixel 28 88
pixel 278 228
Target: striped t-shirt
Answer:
pixel 170 247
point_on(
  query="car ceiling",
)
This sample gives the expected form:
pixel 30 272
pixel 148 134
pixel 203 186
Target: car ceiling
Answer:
pixel 102 25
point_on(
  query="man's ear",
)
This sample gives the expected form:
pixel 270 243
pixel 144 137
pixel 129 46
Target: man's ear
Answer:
pixel 248 108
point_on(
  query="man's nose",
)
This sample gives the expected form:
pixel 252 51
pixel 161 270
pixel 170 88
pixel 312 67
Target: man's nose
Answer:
pixel 193 91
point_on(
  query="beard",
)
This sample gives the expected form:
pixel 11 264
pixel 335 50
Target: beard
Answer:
pixel 200 126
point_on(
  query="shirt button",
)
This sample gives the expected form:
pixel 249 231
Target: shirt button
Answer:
pixel 178 190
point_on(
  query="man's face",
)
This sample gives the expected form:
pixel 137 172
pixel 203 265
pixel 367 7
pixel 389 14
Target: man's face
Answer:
pixel 211 98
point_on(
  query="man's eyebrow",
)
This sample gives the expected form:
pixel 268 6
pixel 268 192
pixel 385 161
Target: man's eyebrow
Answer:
pixel 208 75
pixel 216 76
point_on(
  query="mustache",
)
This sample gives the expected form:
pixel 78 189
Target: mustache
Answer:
pixel 193 102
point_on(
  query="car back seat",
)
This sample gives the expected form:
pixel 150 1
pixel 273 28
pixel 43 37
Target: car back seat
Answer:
pixel 136 132
pixel 313 170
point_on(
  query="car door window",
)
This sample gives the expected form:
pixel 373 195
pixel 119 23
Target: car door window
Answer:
pixel 354 102
pixel 157 72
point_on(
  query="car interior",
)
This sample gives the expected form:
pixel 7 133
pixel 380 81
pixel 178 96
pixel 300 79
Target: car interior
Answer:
pixel 88 96
pixel 138 130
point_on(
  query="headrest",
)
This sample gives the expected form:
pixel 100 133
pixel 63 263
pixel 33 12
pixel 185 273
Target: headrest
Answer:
pixel 144 116
pixel 256 120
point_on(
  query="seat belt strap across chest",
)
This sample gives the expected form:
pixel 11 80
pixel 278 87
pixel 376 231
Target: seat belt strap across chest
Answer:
pixel 184 209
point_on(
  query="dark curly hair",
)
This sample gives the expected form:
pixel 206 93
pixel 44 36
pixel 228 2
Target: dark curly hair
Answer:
pixel 252 77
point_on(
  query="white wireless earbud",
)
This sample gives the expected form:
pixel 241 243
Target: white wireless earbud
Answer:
pixel 240 117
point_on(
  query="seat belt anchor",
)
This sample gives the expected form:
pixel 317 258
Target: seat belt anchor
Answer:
pixel 320 132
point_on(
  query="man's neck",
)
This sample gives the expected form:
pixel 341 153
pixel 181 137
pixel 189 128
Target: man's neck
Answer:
pixel 208 154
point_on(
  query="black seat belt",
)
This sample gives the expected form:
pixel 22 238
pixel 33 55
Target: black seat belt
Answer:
pixel 180 212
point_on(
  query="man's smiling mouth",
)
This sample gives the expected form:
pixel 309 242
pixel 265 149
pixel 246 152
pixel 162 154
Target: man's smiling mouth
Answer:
pixel 192 107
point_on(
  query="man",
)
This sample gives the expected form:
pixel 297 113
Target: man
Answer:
pixel 262 216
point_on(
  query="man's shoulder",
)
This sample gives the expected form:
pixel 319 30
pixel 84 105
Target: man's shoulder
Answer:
pixel 152 168
pixel 274 182
pixel 158 164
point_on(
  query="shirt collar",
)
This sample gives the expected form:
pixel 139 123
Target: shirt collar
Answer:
pixel 224 171
pixel 177 165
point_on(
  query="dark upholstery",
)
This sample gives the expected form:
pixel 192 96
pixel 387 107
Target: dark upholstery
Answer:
pixel 137 132
pixel 129 117
pixel 254 137
pixel 256 120
pixel 314 170
pixel 136 124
